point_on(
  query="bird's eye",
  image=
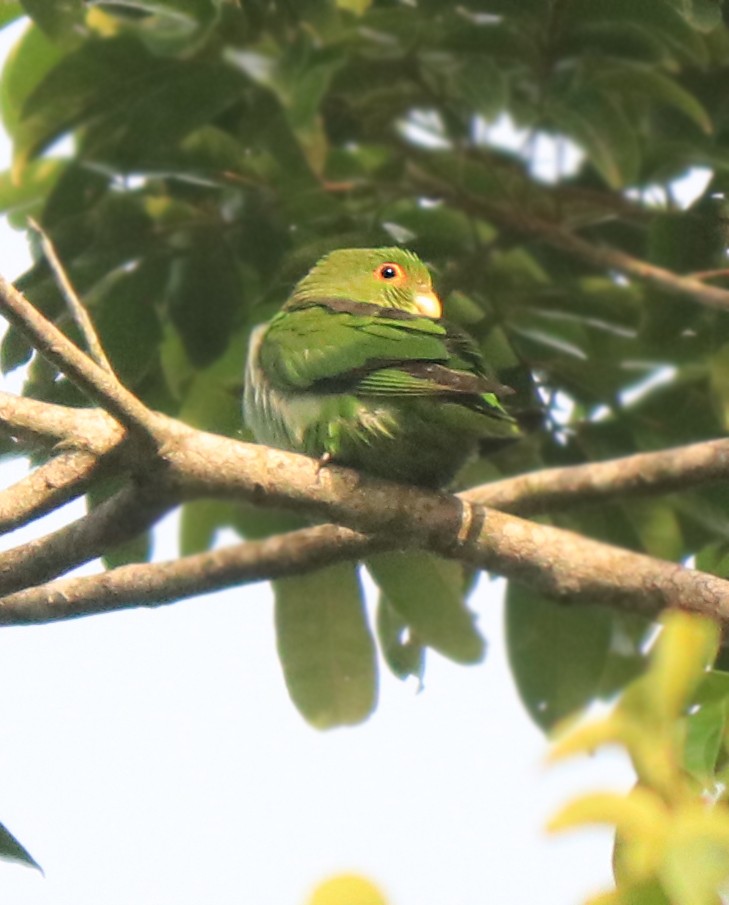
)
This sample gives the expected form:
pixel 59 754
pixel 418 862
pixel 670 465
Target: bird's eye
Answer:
pixel 389 272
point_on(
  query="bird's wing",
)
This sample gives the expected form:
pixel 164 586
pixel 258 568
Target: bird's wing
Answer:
pixel 333 346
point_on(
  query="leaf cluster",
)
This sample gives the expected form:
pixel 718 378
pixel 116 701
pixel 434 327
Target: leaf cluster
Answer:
pixel 672 828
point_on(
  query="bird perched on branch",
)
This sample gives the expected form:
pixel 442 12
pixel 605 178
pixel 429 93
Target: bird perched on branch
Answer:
pixel 360 369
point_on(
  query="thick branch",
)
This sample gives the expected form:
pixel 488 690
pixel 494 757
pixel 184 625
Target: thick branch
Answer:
pixel 42 424
pixel 559 563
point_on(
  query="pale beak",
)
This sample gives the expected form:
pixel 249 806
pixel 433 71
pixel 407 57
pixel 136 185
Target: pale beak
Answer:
pixel 429 304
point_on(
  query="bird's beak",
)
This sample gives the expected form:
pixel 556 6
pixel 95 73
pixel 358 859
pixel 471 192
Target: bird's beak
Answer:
pixel 429 304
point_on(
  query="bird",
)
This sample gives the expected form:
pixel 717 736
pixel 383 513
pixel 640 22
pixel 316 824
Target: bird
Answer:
pixel 360 368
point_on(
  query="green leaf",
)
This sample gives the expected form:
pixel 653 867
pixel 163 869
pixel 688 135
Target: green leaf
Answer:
pixel 657 525
pixel 59 19
pixel 358 7
pixel 9 12
pixel 428 593
pixel 200 520
pixel 658 19
pixel 170 27
pixel 703 15
pixel 27 64
pixel 557 653
pixel 648 83
pixel 204 293
pixel 595 121
pixel 705 733
pixel 136 549
pixel 96 79
pixel 25 196
pixel 15 350
pixel 399 645
pixel 325 646
pixel 123 307
pixel 12 850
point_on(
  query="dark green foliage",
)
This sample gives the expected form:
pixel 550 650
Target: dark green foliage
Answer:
pixel 222 147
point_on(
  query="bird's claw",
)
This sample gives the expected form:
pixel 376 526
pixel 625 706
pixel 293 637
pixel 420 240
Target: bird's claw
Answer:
pixel 322 462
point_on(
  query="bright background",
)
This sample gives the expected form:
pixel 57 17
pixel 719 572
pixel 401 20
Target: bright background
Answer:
pixel 153 757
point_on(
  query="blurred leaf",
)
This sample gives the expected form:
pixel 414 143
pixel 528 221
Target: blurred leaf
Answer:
pixel 169 26
pixel 25 67
pixel 557 653
pixel 199 522
pixel 596 122
pixel 347 888
pixel 136 549
pixel 59 18
pixel 706 731
pixel 9 12
pixel 325 646
pixel 12 850
pixel 647 82
pixel 15 351
pixel 124 309
pixel 428 594
pixel 399 645
pixel 207 271
pixel 701 14
pixel 97 78
pixel 26 195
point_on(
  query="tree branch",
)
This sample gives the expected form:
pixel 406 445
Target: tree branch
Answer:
pixel 100 385
pixel 603 257
pixel 125 515
pixel 73 302
pixel 156 584
pixel 67 476
pixel 560 563
pixel 43 424
pixel 641 474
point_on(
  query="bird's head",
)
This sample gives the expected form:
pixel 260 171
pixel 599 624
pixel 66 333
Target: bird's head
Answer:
pixel 389 277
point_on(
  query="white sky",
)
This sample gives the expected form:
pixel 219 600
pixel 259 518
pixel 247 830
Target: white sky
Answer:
pixel 154 758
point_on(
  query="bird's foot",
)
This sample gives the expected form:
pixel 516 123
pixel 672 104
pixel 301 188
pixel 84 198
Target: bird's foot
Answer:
pixel 322 462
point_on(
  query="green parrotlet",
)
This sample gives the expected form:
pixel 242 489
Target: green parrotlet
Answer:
pixel 360 368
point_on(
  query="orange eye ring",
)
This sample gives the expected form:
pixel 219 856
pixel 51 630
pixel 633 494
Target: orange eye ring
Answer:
pixel 390 272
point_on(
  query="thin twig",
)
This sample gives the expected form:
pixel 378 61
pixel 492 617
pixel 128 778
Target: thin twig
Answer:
pixel 73 302
pixel 710 274
pixel 100 385
pixel 641 474
pixel 65 477
pixel 118 519
pixel 167 582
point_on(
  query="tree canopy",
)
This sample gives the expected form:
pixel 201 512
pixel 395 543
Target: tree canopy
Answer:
pixel 190 159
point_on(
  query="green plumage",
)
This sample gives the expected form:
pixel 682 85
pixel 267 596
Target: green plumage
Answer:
pixel 359 367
